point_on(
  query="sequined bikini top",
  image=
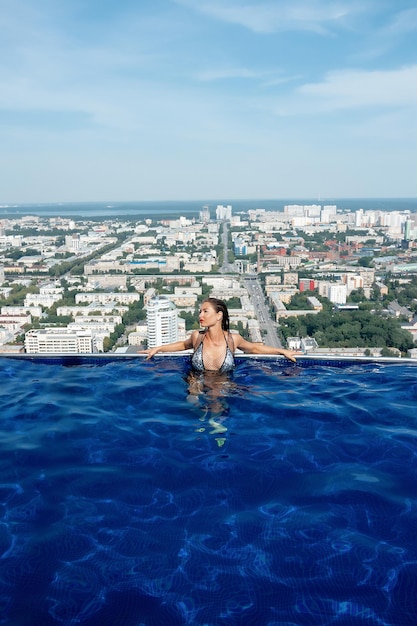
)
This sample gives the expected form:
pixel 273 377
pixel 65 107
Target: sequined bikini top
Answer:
pixel 197 360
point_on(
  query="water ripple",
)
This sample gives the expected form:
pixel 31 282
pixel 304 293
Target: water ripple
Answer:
pixel 284 495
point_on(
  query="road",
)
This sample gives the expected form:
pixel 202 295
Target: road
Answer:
pixel 226 267
pixel 266 324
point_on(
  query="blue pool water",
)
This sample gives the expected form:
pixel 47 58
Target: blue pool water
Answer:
pixel 281 495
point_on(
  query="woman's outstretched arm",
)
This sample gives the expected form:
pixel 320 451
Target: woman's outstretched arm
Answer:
pixel 176 346
pixel 261 348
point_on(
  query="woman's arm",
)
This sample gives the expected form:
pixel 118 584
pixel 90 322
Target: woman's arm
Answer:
pixel 261 348
pixel 177 346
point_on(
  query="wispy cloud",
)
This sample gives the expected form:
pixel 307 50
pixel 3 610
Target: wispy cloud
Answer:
pixel 318 16
pixel 402 23
pixel 349 89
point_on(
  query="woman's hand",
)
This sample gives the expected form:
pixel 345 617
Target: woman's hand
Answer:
pixel 150 352
pixel 289 354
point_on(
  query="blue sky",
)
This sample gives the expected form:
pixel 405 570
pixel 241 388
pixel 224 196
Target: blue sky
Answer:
pixel 207 99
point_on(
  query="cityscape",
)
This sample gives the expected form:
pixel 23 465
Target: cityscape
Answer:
pixel 312 277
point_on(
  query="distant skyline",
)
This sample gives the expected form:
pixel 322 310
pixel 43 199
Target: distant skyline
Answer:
pixel 189 99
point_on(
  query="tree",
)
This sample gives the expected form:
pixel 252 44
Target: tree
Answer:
pixel 357 295
pixel 366 261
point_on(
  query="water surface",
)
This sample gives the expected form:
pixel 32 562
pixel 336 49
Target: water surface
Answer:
pixel 280 495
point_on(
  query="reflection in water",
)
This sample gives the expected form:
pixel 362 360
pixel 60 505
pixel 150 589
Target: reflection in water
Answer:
pixel 208 392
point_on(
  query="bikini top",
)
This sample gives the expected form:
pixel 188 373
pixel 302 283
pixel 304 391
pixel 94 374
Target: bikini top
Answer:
pixel 197 360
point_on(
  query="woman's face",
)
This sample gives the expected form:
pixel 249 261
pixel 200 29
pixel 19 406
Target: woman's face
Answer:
pixel 208 315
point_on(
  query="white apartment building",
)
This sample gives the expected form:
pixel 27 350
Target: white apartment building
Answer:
pixel 101 266
pixel 6 336
pixel 222 283
pixel 204 215
pixel 353 282
pixel 95 327
pixel 51 289
pixel 162 319
pixel 34 311
pixel 107 297
pixel 277 304
pixel 197 266
pixel 58 341
pixel 183 301
pixel 106 281
pixel 45 300
pixel 5 291
pixel 72 243
pixel 285 292
pixel 99 331
pixel 14 323
pixel 114 320
pixel 138 337
pixel 93 309
pixel 223 212
pixel 337 293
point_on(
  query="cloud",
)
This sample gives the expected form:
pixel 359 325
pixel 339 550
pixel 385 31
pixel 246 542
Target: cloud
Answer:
pixel 389 32
pixel 318 16
pixel 349 89
pixel 403 23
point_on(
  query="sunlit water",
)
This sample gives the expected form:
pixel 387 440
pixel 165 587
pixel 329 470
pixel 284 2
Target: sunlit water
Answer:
pixel 134 496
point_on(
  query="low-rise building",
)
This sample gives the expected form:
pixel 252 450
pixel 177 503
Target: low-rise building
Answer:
pixel 294 343
pixel 107 281
pixel 45 300
pixel 14 322
pixel 107 297
pixel 94 308
pixel 34 311
pixel 58 341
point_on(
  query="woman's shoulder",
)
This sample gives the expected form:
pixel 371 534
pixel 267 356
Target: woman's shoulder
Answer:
pixel 197 337
pixel 233 338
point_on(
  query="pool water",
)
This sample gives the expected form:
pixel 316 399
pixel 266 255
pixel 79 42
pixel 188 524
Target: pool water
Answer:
pixel 133 494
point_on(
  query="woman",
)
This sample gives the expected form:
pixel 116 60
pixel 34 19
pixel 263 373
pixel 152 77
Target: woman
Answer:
pixel 214 346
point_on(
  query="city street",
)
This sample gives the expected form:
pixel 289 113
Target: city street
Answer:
pixel 266 324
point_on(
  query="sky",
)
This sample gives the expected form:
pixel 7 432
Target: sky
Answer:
pixel 199 99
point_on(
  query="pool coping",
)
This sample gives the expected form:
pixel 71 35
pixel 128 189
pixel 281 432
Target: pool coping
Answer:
pixel 302 359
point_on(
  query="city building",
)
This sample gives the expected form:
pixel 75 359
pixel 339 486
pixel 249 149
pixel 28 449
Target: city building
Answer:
pixel 162 319
pixel 223 212
pixel 306 284
pixel 58 341
pixel 337 293
pixel 107 297
pixel 204 215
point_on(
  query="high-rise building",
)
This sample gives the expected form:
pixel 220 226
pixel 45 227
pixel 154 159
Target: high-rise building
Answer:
pixel 205 215
pixel 162 319
pixel 407 230
pixel 224 212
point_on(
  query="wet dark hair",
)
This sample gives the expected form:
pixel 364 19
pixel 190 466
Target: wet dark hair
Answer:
pixel 220 307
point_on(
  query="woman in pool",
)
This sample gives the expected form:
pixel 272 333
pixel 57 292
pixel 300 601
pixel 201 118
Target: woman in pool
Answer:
pixel 214 346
